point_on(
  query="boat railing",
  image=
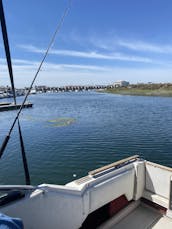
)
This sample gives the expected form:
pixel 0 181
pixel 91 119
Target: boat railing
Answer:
pixel 117 164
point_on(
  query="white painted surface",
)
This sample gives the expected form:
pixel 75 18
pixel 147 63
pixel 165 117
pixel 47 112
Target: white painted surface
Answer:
pixel 164 202
pixel 110 189
pixel 56 206
pixel 49 209
pixel 139 179
pixel 68 206
pixel 158 180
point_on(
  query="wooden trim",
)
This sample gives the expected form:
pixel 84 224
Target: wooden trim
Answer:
pixel 159 166
pixel 156 206
pixel 115 164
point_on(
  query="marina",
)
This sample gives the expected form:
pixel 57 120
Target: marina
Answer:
pixel 6 92
pixel 87 159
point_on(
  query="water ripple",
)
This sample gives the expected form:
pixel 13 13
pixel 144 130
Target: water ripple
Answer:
pixel 106 128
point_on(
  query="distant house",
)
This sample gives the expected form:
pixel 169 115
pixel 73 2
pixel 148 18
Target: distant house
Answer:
pixel 121 83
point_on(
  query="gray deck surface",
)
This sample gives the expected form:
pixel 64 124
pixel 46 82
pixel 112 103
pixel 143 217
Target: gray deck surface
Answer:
pixel 144 217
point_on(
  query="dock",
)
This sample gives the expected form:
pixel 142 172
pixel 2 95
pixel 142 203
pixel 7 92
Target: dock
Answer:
pixel 12 106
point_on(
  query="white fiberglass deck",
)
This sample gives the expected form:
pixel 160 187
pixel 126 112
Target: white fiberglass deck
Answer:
pixel 142 217
pixel 117 190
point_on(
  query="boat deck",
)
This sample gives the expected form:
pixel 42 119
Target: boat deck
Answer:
pixel 142 217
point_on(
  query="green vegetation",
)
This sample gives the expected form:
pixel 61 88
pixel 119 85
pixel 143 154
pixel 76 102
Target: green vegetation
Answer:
pixel 143 89
pixel 61 122
pixel 58 122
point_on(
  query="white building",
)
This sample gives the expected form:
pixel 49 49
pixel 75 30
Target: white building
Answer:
pixel 121 83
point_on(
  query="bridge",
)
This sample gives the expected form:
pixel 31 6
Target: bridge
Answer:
pixel 71 88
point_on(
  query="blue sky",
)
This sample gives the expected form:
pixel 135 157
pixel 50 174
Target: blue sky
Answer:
pixel 101 41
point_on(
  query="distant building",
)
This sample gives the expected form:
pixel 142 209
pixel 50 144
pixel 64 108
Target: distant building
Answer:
pixel 121 83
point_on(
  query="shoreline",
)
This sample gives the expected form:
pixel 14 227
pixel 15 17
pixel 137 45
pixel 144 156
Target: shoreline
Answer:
pixel 161 92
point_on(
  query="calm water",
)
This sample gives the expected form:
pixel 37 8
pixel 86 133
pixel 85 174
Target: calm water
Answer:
pixel 72 133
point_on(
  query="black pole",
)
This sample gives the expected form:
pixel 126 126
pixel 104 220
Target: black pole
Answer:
pixel 7 48
pixel 27 176
pixel 8 57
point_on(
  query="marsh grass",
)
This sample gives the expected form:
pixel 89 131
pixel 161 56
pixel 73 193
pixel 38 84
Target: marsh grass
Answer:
pixel 143 90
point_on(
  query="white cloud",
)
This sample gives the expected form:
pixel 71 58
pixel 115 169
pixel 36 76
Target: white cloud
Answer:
pixel 146 47
pixel 90 55
pixel 68 74
pixel 27 64
pixel 114 43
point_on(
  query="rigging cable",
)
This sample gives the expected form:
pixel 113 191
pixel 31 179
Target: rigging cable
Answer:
pixel 59 25
pixel 10 69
